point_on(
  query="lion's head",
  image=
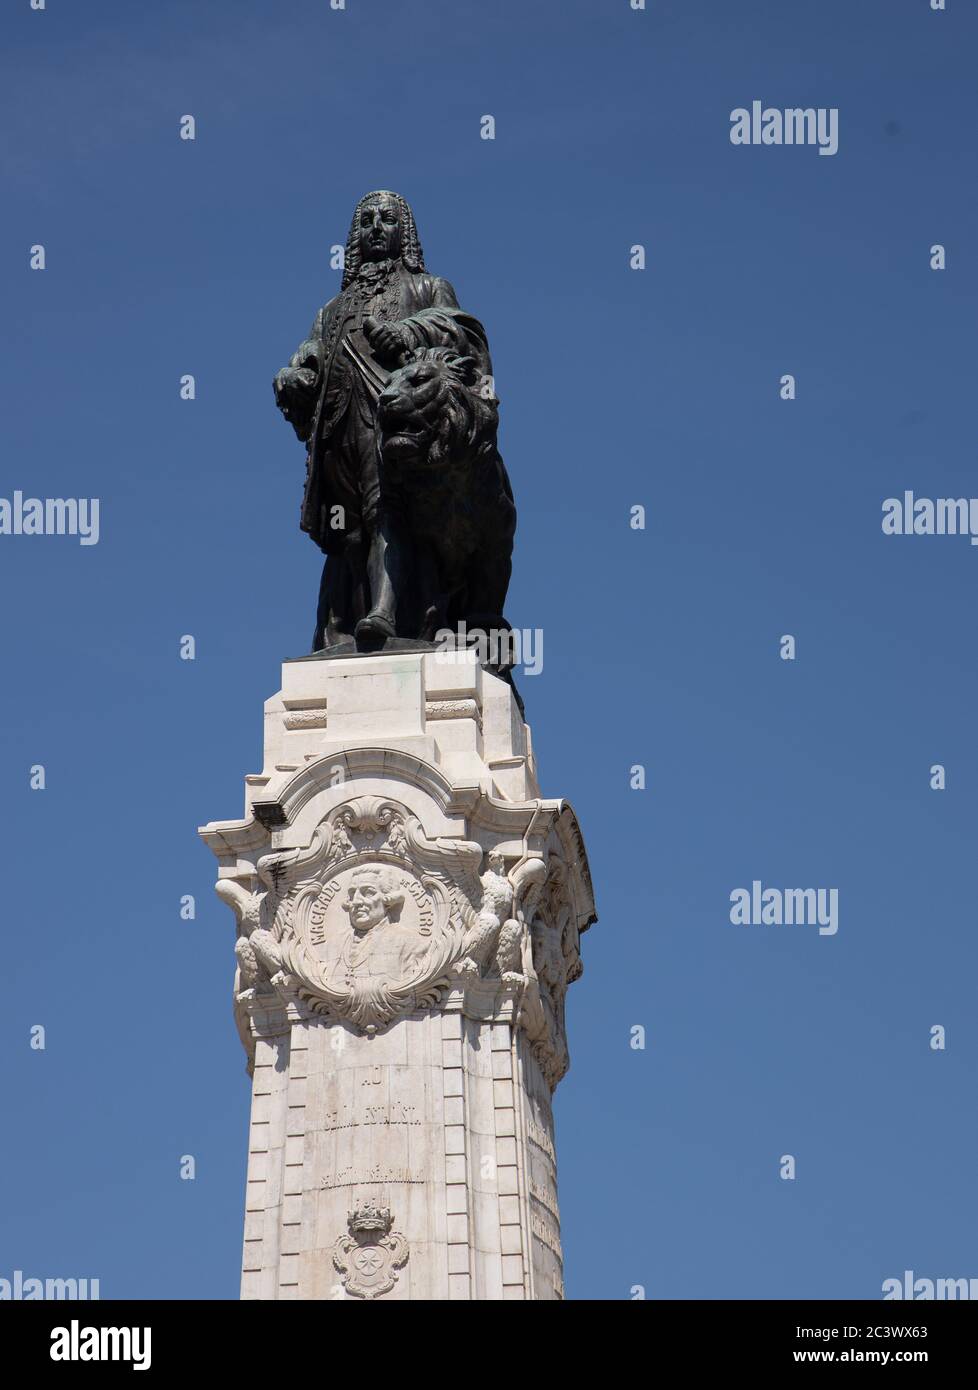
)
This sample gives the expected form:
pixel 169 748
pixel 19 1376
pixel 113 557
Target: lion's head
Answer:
pixel 435 409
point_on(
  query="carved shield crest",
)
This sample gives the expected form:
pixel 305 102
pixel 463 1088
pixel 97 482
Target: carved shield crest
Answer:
pixel 369 1257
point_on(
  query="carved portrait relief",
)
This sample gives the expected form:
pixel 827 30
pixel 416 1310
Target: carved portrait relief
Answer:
pixel 374 933
pixel 372 924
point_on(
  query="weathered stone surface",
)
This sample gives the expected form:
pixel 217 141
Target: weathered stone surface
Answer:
pixel 408 915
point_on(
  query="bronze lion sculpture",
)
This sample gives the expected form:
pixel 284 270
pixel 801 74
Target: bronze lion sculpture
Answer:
pixel 446 494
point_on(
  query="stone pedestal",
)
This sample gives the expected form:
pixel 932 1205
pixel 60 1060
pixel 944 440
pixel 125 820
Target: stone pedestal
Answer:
pixel 408 912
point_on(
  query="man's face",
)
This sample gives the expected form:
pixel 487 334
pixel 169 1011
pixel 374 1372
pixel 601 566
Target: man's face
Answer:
pixel 380 232
pixel 366 903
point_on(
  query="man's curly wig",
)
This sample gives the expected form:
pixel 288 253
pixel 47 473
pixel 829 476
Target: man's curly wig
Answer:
pixel 411 253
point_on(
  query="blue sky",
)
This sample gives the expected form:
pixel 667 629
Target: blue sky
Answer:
pixel 661 647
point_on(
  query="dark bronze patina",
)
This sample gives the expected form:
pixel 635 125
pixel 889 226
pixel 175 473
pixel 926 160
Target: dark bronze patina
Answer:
pixel 405 493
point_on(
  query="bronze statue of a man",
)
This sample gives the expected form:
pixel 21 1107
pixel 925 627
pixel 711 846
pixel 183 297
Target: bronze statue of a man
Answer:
pixel 388 308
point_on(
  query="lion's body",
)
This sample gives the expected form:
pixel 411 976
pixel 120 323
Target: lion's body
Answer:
pixel 445 487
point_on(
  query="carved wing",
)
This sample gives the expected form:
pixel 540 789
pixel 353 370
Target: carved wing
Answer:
pixel 398 1247
pixel 341 1253
pixel 459 861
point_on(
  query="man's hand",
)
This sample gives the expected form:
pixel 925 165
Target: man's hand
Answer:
pixel 388 341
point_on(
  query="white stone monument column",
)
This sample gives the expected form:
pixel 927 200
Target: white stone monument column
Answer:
pixel 408 911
